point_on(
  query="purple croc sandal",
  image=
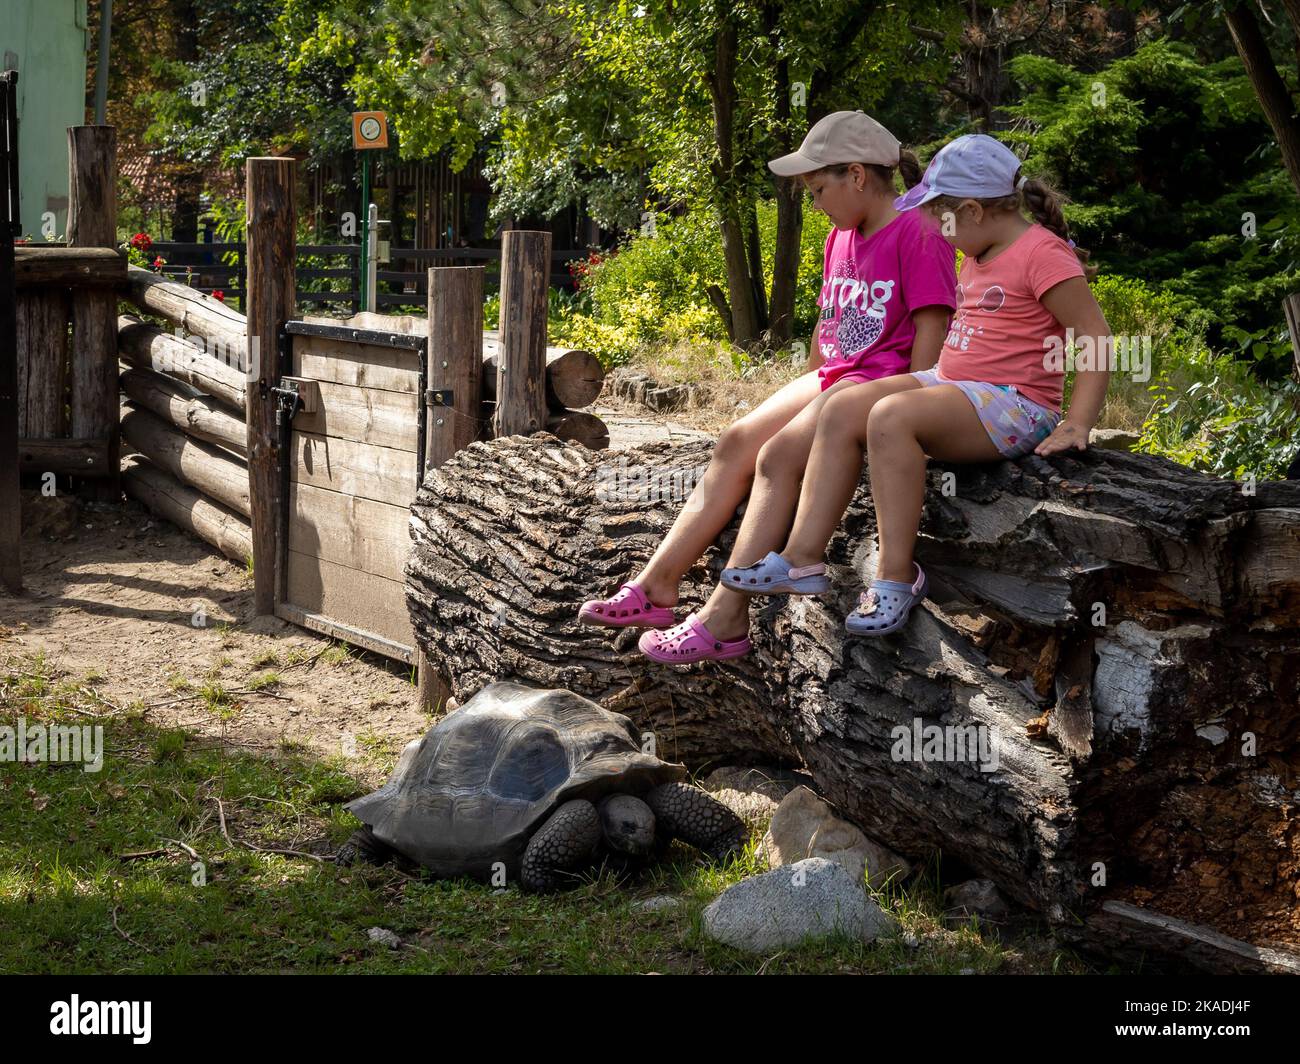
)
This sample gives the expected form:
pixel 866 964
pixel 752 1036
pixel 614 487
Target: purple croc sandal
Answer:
pixel 886 605
pixel 626 608
pixel 775 576
pixel 687 642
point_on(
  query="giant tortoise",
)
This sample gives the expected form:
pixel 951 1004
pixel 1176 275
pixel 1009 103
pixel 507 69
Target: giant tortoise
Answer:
pixel 535 784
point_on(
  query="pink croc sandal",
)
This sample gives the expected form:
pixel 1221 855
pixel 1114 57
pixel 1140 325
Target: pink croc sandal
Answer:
pixel 626 608
pixel 687 642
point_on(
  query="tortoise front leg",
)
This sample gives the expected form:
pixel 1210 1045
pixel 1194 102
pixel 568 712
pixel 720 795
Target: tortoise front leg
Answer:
pixel 697 818
pixel 562 846
pixel 362 846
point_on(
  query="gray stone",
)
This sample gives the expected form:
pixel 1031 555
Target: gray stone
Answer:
pixel 975 897
pixel 806 826
pixel 384 937
pixel 671 397
pixel 753 793
pixel 807 900
pixel 658 904
pixel 1113 439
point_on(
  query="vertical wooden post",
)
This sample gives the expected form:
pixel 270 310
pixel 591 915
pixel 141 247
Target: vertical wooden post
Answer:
pixel 270 301
pixel 11 571
pixel 455 358
pixel 521 365
pixel 92 222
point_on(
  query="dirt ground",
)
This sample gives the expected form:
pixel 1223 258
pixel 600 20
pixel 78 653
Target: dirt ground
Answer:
pixel 142 612
pixel 145 613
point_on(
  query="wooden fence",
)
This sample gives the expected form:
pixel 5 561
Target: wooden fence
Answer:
pixel 67 332
pixel 218 409
pixel 303 441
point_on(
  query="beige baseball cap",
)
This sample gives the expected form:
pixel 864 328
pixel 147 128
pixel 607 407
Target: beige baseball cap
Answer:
pixel 840 137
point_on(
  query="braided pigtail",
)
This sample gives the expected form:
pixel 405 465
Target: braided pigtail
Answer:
pixel 1045 203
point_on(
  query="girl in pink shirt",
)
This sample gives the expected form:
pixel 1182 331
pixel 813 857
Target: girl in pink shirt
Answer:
pixel 996 392
pixel 888 290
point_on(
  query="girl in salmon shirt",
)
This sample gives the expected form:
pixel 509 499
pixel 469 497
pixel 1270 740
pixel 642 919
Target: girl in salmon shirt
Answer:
pixel 888 285
pixel 996 392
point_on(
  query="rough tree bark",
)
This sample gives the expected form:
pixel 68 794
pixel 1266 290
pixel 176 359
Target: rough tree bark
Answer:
pixel 1121 626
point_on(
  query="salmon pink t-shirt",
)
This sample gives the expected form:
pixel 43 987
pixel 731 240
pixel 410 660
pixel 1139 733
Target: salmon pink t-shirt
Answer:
pixel 871 286
pixel 999 332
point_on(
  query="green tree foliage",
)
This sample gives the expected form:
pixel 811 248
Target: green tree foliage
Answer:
pixel 1174 178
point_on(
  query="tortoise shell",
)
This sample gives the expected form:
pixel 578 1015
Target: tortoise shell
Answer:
pixel 485 777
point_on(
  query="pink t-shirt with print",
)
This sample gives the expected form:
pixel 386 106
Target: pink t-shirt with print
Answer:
pixel 870 287
pixel 1000 331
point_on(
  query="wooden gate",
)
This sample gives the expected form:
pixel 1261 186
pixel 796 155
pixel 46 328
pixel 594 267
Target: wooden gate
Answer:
pixel 352 412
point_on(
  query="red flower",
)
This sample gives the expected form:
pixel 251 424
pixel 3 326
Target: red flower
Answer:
pixel 141 241
pixel 158 260
pixel 219 294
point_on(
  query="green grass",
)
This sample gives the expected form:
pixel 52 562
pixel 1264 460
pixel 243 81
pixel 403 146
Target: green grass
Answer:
pixel 264 680
pixel 65 877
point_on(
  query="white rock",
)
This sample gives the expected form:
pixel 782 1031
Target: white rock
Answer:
pixel 807 900
pixel 384 937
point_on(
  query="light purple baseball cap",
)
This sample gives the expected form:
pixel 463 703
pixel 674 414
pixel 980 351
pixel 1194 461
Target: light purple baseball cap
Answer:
pixel 974 165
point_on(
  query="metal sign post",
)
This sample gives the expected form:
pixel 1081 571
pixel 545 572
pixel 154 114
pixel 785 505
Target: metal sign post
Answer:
pixel 369 133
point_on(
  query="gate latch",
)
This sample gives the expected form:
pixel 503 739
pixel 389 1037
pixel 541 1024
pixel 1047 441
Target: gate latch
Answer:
pixel 292 395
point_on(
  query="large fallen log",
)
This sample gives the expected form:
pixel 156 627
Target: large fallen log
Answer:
pixel 1118 630
pixel 183 406
pixel 186 508
pixel 147 346
pixel 224 331
pixel 217 473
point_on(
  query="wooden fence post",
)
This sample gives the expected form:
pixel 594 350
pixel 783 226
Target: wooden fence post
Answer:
pixel 92 222
pixel 455 359
pixel 521 369
pixel 11 570
pixel 270 302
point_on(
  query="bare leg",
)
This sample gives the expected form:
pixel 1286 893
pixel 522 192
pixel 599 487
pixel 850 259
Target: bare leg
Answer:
pixel 775 495
pixel 835 467
pixel 721 489
pixel 939 421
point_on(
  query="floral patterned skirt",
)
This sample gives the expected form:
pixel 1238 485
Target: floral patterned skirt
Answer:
pixel 1016 425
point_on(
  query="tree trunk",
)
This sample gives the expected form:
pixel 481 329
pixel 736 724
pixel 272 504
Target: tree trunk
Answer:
pixel 789 198
pixel 1116 627
pixel 1274 97
pixel 742 314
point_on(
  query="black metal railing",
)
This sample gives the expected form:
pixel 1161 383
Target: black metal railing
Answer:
pixel 214 266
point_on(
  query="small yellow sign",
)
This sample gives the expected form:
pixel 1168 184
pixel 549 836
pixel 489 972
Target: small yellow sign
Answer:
pixel 369 129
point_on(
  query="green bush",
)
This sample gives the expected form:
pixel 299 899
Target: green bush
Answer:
pixel 651 290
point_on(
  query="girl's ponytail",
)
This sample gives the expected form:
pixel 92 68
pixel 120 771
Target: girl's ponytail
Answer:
pixel 1044 203
pixel 909 167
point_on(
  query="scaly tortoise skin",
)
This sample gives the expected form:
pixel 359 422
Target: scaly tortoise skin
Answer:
pixel 538 782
